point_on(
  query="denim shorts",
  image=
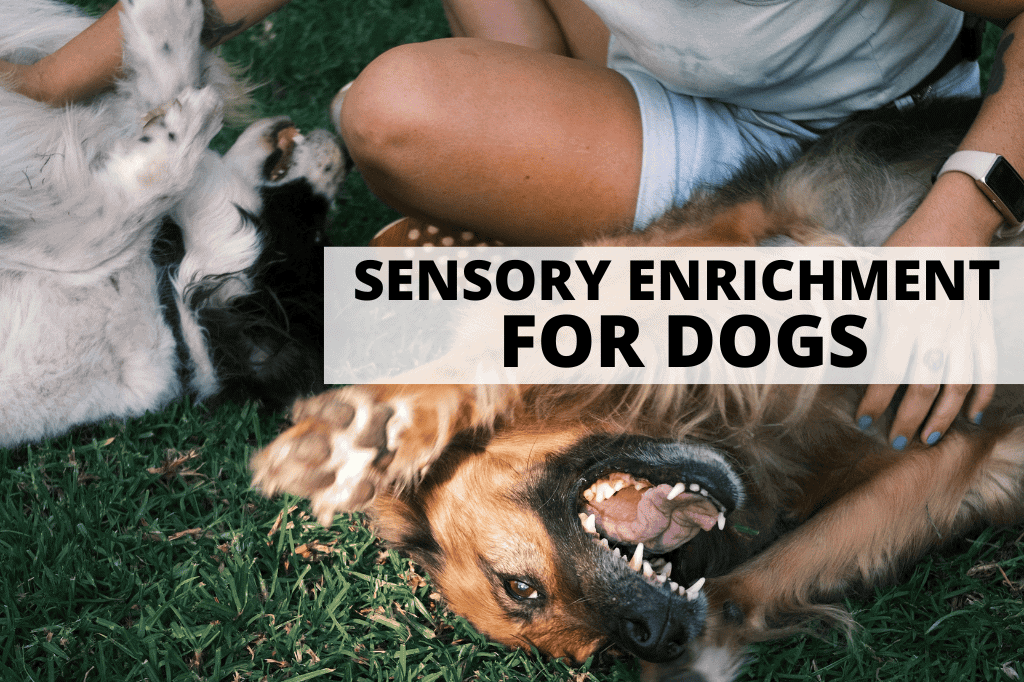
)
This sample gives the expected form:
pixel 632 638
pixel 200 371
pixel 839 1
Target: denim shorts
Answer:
pixel 692 141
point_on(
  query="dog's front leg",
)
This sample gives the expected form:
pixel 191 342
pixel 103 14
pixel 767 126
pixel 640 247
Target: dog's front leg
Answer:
pixel 146 172
pixel 162 50
pixel 349 444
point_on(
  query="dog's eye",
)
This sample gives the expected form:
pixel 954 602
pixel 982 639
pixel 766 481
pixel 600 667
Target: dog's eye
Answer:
pixel 520 590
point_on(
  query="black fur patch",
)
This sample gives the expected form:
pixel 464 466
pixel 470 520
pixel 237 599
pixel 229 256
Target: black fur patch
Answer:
pixel 167 251
pixel 418 541
pixel 269 344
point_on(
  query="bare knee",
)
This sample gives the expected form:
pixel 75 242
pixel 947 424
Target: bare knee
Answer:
pixel 395 107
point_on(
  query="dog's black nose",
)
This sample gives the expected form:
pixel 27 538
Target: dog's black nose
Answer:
pixel 654 631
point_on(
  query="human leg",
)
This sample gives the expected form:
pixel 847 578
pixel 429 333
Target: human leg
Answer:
pixel 521 145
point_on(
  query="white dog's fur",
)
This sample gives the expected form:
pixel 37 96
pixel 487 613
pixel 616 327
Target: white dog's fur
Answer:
pixel 83 190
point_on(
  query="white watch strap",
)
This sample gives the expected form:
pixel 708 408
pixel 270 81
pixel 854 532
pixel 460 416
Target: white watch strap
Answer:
pixel 975 164
pixel 978 165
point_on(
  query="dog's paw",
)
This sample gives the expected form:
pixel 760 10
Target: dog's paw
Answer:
pixel 192 118
pixel 163 157
pixel 161 46
pixel 347 445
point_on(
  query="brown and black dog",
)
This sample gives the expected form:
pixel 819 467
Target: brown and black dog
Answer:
pixel 678 523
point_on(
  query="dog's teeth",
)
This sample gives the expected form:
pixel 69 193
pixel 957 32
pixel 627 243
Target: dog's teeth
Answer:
pixel 616 553
pixel 673 585
pixel 703 492
pixel 666 570
pixel 648 570
pixel 590 524
pixel 638 558
pixel 676 491
pixel 604 543
pixel 619 485
pixel 583 516
pixel 693 590
pixel 721 521
pixel 694 487
pixel 588 494
pixel 605 491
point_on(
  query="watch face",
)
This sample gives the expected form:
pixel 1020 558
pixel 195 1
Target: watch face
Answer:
pixel 1007 186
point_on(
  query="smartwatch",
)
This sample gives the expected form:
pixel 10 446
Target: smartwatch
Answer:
pixel 997 180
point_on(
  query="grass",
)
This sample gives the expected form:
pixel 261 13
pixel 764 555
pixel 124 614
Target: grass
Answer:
pixel 136 550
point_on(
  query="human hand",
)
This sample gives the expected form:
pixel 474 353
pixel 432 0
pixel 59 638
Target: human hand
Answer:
pixel 955 214
pixel 938 351
pixel 940 404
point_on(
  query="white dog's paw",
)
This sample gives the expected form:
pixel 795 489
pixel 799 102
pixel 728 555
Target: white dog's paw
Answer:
pixel 192 119
pixel 163 157
pixel 161 46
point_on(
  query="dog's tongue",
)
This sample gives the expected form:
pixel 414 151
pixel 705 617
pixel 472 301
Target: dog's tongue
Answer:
pixel 648 516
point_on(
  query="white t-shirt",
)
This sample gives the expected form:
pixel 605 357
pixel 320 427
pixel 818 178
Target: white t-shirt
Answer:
pixel 804 59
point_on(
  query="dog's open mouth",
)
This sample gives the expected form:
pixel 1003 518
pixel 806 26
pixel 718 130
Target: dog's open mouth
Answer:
pixel 283 137
pixel 643 511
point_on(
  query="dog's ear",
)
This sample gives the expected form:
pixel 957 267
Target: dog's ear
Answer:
pixel 403 524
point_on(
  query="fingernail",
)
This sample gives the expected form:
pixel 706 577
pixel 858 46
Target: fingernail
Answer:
pixel 899 443
pixel 864 422
pixel 977 418
pixel 933 438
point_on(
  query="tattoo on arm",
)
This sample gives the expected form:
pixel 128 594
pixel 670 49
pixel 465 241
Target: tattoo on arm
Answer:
pixel 998 73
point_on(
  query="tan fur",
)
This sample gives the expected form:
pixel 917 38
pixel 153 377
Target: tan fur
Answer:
pixel 884 507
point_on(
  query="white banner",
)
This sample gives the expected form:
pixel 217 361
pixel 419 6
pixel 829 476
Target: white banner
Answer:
pixel 674 315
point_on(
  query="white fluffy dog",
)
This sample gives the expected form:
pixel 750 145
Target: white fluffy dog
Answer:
pixel 136 265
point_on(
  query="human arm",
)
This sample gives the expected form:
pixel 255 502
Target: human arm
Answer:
pixel 90 61
pixel 956 213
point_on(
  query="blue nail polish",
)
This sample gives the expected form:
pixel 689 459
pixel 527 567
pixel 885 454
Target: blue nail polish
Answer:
pixel 977 418
pixel 864 422
pixel 899 443
pixel 933 438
